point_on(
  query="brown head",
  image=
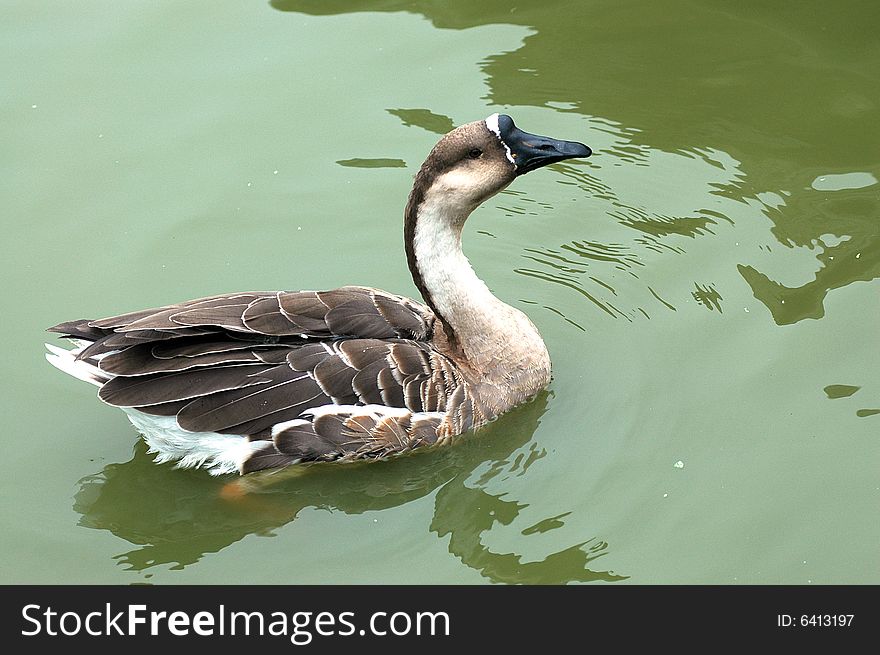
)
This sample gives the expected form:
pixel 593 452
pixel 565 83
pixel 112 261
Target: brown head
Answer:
pixel 475 161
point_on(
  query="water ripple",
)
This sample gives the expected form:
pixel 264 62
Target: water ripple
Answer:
pixel 708 297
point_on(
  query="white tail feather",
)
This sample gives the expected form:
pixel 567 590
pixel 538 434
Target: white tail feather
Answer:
pixel 219 453
pixel 65 360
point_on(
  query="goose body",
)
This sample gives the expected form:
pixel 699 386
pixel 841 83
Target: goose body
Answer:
pixel 250 381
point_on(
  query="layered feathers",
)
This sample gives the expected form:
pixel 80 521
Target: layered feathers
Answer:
pixel 310 375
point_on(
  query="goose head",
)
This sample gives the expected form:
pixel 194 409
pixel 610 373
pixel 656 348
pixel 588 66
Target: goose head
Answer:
pixel 475 161
pixel 467 166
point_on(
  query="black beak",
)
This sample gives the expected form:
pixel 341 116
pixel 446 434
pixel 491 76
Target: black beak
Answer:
pixel 530 151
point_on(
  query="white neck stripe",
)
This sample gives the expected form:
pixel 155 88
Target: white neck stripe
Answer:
pixel 492 124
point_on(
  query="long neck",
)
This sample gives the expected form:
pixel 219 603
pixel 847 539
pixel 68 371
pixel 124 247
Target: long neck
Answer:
pixel 478 326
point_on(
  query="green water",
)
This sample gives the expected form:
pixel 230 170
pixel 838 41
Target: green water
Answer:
pixel 706 283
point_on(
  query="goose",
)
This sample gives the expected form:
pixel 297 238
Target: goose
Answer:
pixel 243 382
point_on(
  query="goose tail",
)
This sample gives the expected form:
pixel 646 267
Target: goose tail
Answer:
pixel 65 360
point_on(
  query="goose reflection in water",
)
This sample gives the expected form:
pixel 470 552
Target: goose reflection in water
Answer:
pixel 176 517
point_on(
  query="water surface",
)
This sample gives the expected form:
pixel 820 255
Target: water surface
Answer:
pixel 706 283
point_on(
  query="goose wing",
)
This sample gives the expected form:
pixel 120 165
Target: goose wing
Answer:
pixel 345 312
pixel 308 375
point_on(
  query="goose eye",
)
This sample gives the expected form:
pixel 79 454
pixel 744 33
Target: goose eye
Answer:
pixel 475 153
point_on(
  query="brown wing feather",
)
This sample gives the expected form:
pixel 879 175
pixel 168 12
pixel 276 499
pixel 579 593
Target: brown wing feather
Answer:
pixel 356 312
pixel 353 432
pixel 141 360
pixel 246 390
pixel 287 395
pixel 257 363
pixel 159 388
pixel 265 316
